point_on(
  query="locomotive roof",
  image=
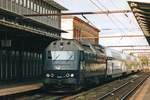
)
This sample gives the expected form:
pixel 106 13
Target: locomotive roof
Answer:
pixel 71 44
pixel 65 45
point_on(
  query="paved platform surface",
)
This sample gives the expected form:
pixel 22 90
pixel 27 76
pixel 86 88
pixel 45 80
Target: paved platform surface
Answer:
pixel 143 93
pixel 18 88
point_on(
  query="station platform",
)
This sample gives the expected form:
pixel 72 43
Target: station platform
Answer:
pixel 19 88
pixel 143 93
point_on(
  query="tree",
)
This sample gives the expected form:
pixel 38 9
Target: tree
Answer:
pixel 144 60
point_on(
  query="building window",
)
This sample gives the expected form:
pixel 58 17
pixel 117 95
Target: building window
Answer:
pixel 13 0
pixel 38 8
pixel 32 6
pixel 43 10
pixel 28 4
pixel 46 10
pixel 24 3
pixel 21 2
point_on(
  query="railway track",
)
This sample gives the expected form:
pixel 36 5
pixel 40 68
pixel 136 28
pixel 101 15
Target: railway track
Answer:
pixel 125 90
pixel 116 90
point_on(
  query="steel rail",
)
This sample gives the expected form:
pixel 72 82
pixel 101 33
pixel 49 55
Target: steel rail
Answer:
pixel 130 92
pixel 116 89
pixel 120 87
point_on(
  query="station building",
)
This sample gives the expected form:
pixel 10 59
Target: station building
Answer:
pixel 23 39
pixel 79 30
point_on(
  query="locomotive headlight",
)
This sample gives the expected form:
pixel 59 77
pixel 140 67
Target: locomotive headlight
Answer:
pixel 67 75
pixel 47 75
pixel 72 75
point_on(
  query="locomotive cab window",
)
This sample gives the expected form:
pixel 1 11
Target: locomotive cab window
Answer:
pixel 62 55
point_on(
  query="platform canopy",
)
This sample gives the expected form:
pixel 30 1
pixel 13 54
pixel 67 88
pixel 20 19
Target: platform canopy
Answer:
pixel 141 11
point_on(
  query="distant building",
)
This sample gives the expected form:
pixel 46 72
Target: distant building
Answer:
pixel 79 30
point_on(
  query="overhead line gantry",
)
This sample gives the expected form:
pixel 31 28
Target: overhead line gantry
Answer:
pixel 79 13
pixel 130 46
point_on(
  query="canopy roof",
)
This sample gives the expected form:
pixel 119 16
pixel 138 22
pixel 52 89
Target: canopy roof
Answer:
pixel 141 11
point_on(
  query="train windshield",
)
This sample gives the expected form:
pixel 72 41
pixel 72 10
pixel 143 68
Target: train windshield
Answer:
pixel 62 55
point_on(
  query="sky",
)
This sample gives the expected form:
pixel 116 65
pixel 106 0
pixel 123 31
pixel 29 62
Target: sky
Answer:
pixel 109 24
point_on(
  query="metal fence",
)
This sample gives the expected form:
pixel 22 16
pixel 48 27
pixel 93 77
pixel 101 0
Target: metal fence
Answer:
pixel 20 65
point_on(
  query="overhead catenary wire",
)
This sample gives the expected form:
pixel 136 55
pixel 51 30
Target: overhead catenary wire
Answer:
pixel 106 10
pixel 115 36
pixel 113 22
pixel 122 24
pixel 118 28
pixel 125 14
pixel 81 13
pixel 88 20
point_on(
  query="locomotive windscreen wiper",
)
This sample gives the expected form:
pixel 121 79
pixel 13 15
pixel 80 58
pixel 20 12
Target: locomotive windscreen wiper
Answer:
pixel 69 58
pixel 56 57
